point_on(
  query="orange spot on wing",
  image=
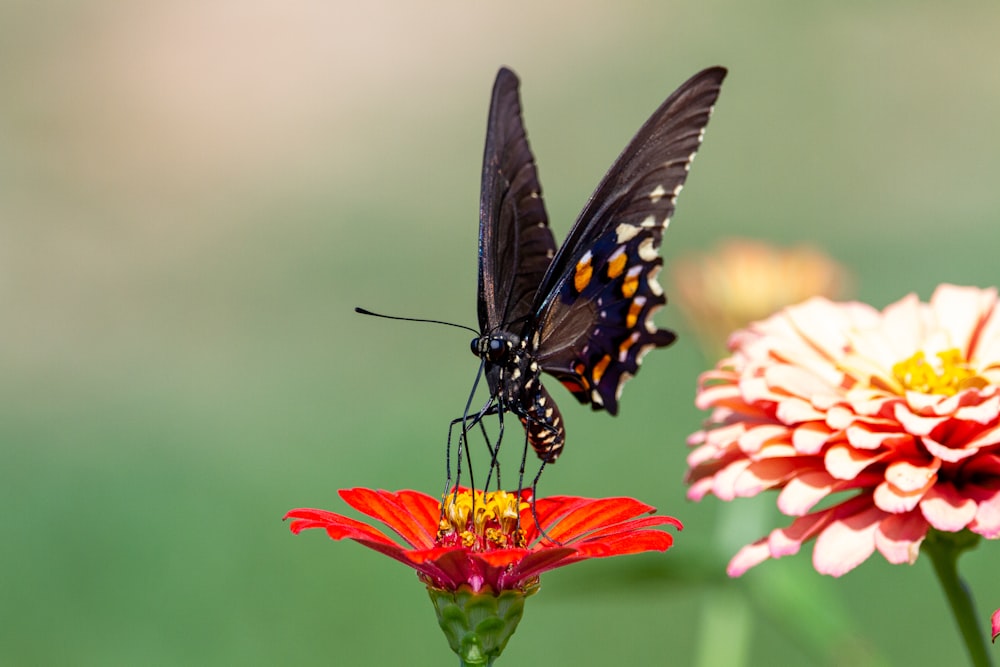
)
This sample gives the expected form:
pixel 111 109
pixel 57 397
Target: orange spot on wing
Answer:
pixel 600 367
pixel 630 285
pixel 617 265
pixel 584 271
pixel 626 346
pixel 633 313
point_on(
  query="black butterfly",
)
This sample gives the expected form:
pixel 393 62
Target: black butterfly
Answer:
pixel 582 314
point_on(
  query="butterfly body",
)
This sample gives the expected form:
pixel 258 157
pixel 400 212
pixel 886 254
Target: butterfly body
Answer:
pixel 582 312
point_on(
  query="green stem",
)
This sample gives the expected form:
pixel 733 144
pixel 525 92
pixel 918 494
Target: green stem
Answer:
pixel 944 550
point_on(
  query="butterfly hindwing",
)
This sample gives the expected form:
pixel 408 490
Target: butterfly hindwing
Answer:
pixel 596 301
pixel 600 326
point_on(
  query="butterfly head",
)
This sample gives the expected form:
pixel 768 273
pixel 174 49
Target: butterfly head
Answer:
pixel 495 348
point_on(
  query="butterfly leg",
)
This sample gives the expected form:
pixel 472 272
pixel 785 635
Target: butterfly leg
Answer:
pixel 469 422
pixel 494 450
pixel 534 511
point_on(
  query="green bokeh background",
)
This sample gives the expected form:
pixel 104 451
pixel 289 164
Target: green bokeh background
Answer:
pixel 193 196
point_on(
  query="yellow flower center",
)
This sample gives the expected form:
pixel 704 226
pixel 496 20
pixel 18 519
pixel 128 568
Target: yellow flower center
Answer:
pixel 949 376
pixel 481 521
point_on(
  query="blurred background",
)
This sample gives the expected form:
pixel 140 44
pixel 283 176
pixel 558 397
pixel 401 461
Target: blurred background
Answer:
pixel 194 196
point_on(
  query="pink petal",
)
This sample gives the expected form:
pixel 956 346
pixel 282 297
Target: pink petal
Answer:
pixel 796 381
pixel 983 413
pixel 757 436
pixel 945 453
pixel 903 325
pixel 990 436
pixel 959 310
pixel 820 322
pixel 725 480
pixel 899 536
pixel 747 557
pixel 915 424
pixel 797 411
pixel 803 492
pixel 716 394
pixel 847 542
pixel 810 438
pixel 946 509
pixel 896 501
pixel 787 541
pixel 995 622
pixel 987 521
pixel 845 462
pixel 863 437
pixel 764 475
pixel 907 476
pixel 699 488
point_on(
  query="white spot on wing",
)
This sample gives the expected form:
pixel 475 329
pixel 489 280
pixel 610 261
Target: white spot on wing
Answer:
pixel 643 351
pixel 654 284
pixel 647 252
pixel 625 377
pixel 657 194
pixel 626 232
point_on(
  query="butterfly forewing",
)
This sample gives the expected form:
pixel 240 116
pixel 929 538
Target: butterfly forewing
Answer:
pixel 515 242
pixel 596 300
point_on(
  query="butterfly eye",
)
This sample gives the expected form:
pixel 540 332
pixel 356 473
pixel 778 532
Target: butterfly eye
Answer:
pixel 497 349
pixel 475 346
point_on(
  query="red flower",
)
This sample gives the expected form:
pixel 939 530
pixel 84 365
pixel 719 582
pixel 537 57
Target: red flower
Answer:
pixel 491 540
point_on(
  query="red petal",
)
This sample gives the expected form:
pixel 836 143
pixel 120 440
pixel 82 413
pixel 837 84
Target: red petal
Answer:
pixel 424 508
pixel 394 510
pixel 594 514
pixel 548 511
pixel 633 526
pixel 626 543
pixel 337 527
pixel 540 561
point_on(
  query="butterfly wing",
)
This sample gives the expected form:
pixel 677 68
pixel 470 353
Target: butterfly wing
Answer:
pixel 515 243
pixel 596 300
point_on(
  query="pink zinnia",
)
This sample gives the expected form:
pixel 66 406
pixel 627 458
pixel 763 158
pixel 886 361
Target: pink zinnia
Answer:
pixel 891 418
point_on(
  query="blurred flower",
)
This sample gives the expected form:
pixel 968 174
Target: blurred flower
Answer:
pixel 890 418
pixel 480 554
pixel 742 280
pixel 995 622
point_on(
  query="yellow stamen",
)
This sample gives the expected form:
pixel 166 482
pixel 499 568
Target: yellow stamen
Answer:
pixel 482 521
pixel 948 377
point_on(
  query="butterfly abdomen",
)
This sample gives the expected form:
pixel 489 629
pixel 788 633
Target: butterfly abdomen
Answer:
pixel 544 425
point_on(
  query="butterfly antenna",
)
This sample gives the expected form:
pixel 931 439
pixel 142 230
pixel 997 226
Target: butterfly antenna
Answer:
pixel 365 311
